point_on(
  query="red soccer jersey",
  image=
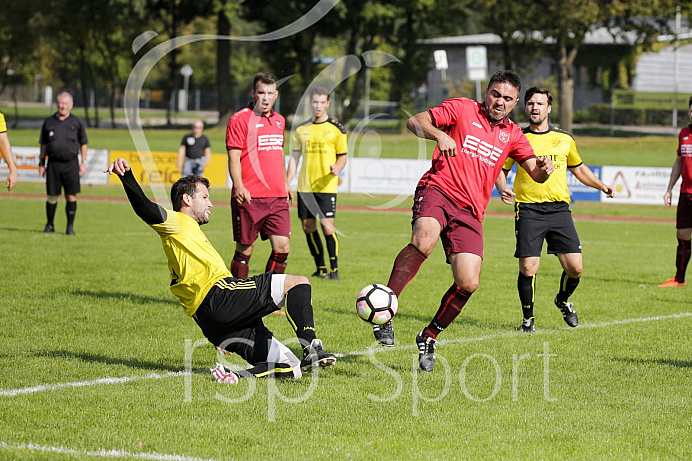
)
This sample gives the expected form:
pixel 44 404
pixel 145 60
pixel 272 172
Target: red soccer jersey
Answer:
pixel 261 140
pixel 685 152
pixel 469 177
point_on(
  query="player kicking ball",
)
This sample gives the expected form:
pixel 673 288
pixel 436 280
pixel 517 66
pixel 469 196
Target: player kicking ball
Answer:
pixel 228 310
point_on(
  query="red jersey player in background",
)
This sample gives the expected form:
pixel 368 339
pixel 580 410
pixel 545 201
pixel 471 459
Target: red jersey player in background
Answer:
pixel 473 141
pixel 259 201
pixel 683 223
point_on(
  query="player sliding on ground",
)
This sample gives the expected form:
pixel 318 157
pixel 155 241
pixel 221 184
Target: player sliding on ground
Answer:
pixel 228 310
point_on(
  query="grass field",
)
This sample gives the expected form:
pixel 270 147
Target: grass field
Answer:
pixel 99 359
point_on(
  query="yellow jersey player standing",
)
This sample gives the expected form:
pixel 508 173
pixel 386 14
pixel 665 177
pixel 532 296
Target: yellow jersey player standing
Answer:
pixel 6 151
pixel 322 143
pixel 542 210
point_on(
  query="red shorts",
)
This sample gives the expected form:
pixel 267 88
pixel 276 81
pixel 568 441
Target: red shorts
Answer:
pixel 266 216
pixel 684 212
pixel 461 231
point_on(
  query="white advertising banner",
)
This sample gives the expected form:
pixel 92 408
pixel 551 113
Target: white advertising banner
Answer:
pixel 385 175
pixel 26 159
pixel 638 185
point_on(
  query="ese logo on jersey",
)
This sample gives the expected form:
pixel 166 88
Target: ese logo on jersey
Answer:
pixel 270 140
pixel 504 136
pixel 473 145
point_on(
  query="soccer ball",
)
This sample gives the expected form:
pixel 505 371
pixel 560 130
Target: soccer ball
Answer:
pixel 376 304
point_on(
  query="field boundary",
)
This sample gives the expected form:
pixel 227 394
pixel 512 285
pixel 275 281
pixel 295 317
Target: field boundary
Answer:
pixel 367 209
pixel 102 453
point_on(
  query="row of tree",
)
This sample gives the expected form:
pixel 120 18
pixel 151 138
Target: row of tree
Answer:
pixel 88 44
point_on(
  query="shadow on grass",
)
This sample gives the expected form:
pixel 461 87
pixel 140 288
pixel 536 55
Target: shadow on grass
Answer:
pixel 671 362
pixel 130 297
pixel 99 358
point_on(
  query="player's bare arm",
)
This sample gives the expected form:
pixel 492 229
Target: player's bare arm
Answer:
pixel 340 164
pixel 242 195
pixel 539 168
pixel 82 166
pixel 421 125
pixel 6 150
pixel 675 173
pixel 42 161
pixel 506 195
pixel 584 174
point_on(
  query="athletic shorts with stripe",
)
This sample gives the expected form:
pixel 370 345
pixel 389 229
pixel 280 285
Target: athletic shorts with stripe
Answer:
pixel 551 222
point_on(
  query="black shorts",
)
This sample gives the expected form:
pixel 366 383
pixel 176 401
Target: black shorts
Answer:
pixel 62 175
pixel 311 204
pixel 231 316
pixel 684 212
pixel 550 221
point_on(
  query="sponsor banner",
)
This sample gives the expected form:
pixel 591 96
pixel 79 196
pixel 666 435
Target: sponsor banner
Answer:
pixel 26 159
pixel 166 163
pixel 384 175
pixel 639 185
pixel 577 190
pixel 627 99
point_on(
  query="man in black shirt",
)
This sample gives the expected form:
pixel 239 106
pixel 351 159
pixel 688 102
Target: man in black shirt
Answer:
pixel 195 151
pixel 63 139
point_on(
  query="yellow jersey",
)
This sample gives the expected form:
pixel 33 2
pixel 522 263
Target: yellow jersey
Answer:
pixel 194 264
pixel 3 125
pixel 560 146
pixel 320 144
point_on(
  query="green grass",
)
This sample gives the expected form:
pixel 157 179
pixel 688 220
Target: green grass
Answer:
pixel 97 305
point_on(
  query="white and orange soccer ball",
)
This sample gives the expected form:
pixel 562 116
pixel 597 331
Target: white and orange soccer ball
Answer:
pixel 376 304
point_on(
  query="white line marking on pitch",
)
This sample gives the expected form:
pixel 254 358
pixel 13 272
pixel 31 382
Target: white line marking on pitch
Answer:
pixel 376 350
pixel 102 453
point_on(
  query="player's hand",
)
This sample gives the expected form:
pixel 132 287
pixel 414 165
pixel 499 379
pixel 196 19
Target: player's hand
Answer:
pixel 223 351
pixel 11 180
pixel 289 195
pixel 242 195
pixel 507 196
pixel 42 171
pixel 82 169
pixel 119 166
pixel 446 145
pixel 667 198
pixel 609 191
pixel 334 170
pixel 545 165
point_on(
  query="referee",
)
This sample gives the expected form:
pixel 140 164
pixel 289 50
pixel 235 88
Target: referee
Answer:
pixel 63 139
pixel 542 210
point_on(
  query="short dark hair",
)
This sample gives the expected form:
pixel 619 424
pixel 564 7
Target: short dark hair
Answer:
pixel 506 76
pixel 319 90
pixel 538 90
pixel 186 185
pixel 263 77
pixel 690 101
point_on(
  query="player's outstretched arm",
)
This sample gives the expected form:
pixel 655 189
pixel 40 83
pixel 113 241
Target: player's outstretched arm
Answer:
pixel 421 125
pixel 506 195
pixel 584 174
pixel 150 212
pixel 9 158
pixel 675 173
pixel 539 168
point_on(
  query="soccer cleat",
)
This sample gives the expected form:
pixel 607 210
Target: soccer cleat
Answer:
pixel 672 283
pixel 314 356
pixel 223 375
pixel 70 230
pixel 527 326
pixel 334 275
pixel 568 312
pixel 426 352
pixel 320 274
pixel 49 229
pixel 384 334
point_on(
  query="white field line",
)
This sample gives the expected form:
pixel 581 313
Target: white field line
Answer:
pixel 101 453
pixel 368 351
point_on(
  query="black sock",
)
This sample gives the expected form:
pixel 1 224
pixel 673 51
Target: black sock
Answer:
pixel 50 212
pixel 682 259
pixel 316 250
pixel 567 287
pixel 71 211
pixel 527 293
pixel 299 312
pixel 333 250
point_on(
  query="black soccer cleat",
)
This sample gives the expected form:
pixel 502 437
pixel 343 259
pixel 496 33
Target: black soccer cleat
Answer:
pixel 334 275
pixel 527 326
pixel 49 229
pixel 568 312
pixel 70 230
pixel 314 356
pixel 384 334
pixel 321 274
pixel 426 352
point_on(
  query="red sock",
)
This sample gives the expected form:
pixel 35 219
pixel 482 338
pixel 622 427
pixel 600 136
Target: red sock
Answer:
pixel 450 306
pixel 277 262
pixel 406 266
pixel 240 266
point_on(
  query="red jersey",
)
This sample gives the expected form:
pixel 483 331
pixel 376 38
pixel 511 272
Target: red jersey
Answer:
pixel 261 140
pixel 482 149
pixel 685 151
